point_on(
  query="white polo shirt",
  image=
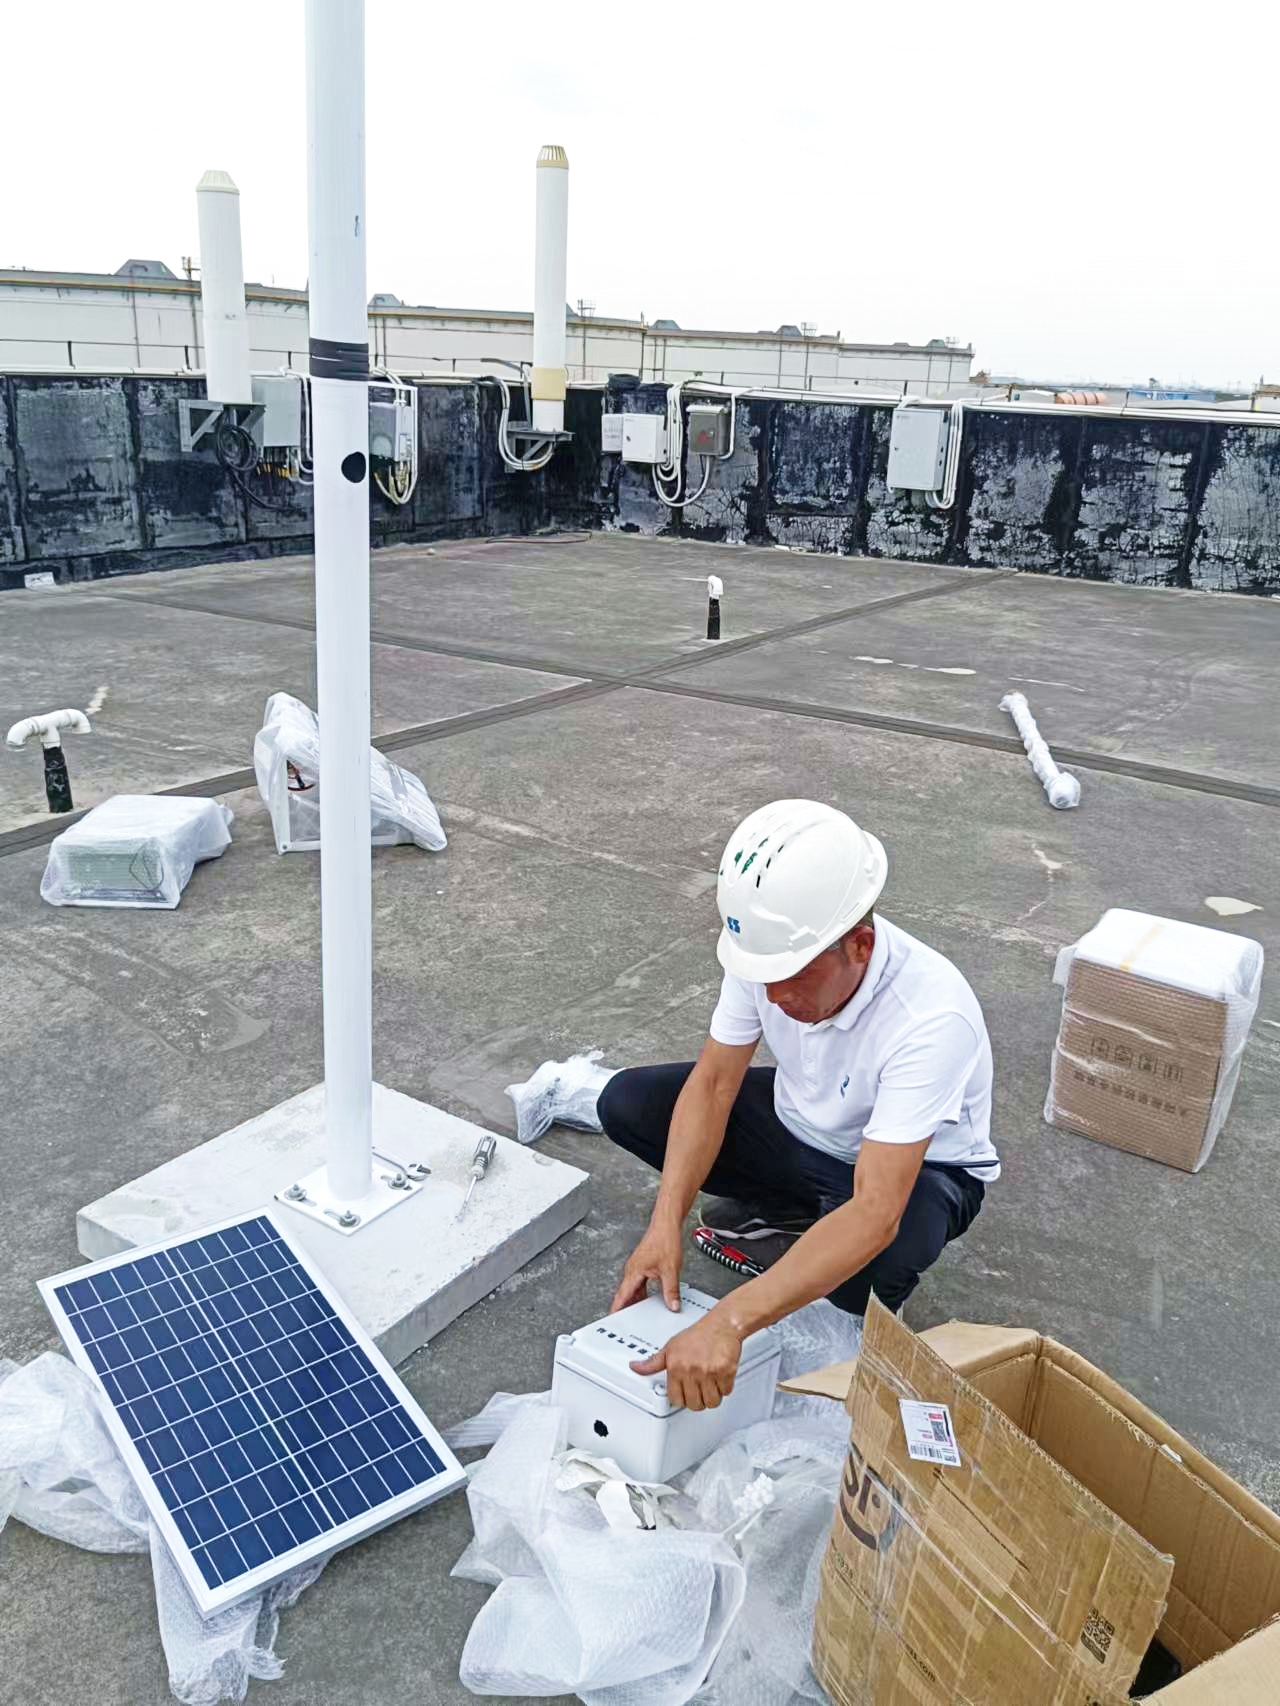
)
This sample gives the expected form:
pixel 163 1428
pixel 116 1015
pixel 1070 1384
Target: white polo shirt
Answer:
pixel 907 1058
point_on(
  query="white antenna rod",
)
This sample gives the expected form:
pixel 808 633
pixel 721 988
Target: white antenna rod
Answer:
pixel 340 420
pixel 550 264
pixel 226 325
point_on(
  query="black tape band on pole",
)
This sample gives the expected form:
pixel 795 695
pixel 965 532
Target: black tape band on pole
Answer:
pixel 330 360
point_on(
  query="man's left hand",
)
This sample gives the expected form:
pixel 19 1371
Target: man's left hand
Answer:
pixel 701 1363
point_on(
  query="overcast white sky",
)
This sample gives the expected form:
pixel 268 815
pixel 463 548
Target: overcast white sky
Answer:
pixel 1080 191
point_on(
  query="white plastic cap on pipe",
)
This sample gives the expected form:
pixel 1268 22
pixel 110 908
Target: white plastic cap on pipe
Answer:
pixel 550 272
pixel 226 324
pixel 50 726
pixel 715 587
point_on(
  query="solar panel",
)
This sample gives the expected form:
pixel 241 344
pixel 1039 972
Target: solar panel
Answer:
pixel 263 1426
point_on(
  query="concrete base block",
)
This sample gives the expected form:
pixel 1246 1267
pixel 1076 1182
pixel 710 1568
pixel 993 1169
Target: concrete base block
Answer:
pixel 405 1275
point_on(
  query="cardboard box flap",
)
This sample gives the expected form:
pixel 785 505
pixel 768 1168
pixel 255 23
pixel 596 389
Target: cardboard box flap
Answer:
pixel 1245 1675
pixel 833 1381
pixel 967 1346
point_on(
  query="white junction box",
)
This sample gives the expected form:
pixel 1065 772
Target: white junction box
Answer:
pixel 279 396
pixel 644 438
pixel 918 449
pixel 626 1416
pixel 393 422
pixel 611 434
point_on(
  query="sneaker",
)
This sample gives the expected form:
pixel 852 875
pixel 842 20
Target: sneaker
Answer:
pixel 748 1222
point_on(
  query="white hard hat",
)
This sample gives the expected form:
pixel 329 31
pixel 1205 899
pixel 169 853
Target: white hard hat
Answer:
pixel 796 875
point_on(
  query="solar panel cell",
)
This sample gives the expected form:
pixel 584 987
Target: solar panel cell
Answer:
pixel 261 1418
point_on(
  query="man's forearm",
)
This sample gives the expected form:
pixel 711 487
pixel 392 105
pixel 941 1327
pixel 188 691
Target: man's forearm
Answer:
pixel 695 1138
pixel 830 1252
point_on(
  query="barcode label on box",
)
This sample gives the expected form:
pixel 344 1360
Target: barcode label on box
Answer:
pixel 1096 1635
pixel 930 1436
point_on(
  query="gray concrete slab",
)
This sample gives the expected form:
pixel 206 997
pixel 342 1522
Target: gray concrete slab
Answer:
pixel 184 691
pixel 421 1258
pixel 1144 672
pixel 574 907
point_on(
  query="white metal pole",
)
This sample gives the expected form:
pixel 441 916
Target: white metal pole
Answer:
pixel 550 264
pixel 340 416
pixel 226 325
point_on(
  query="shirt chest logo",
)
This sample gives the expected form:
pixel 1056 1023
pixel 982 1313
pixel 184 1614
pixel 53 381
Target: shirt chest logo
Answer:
pixel 844 1085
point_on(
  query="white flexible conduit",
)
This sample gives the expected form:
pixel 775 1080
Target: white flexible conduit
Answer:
pixel 402 477
pixel 668 474
pixel 534 458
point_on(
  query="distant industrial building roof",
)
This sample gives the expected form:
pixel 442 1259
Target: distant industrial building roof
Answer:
pixel 156 276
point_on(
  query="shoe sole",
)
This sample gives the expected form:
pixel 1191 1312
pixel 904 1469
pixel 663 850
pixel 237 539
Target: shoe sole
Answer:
pixel 748 1235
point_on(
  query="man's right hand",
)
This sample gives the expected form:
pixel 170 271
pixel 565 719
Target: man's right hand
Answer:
pixel 656 1257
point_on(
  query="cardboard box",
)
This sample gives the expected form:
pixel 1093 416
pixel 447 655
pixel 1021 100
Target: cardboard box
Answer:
pixel 1077 1526
pixel 1155 1017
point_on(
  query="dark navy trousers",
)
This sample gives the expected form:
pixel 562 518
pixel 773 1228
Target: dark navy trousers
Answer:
pixel 761 1161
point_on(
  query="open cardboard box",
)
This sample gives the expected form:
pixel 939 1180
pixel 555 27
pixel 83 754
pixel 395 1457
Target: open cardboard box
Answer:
pixel 1078 1526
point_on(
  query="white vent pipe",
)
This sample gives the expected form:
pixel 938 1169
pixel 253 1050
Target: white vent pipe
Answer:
pixel 549 284
pixel 226 325
pixel 50 727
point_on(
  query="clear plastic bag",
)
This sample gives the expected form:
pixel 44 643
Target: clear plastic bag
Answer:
pixel 561 1092
pixel 136 850
pixel 286 762
pixel 60 1473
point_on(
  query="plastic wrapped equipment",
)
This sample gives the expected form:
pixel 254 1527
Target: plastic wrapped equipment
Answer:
pixel 1061 788
pixel 714 1603
pixel 286 761
pixel 561 1092
pixel 134 850
pixel 1155 1016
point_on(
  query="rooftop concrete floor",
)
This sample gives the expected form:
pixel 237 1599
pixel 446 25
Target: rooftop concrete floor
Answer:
pixel 590 755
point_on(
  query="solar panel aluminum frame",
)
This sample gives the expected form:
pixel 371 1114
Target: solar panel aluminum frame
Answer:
pixel 209 1600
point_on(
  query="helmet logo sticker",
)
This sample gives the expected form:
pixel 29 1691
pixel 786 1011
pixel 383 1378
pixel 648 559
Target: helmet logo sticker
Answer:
pixel 732 924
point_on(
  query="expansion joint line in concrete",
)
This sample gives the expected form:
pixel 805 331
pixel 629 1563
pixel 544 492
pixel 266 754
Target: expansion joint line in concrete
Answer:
pixel 594 684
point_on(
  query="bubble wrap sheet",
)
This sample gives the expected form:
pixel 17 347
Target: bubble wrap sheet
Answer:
pixel 60 1473
pixel 718 1609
